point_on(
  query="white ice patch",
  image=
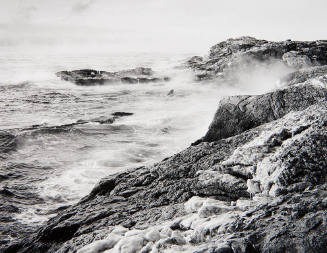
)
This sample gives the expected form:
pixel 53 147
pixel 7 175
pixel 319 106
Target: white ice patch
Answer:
pixel 101 245
pixel 193 204
pixel 206 217
pixel 258 159
pixel 320 81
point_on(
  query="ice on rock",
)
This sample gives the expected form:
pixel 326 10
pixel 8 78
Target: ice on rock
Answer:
pixel 130 244
pixel 122 240
pixel 101 245
pixel 152 235
pixel 212 207
pixel 186 223
pixel 178 238
pixel 213 224
pixel 165 232
pixel 147 248
pixel 205 215
pixel 194 236
pixel 193 204
pixel 119 230
pixel 134 232
pixel 254 186
pixel 244 204
pixel 207 211
pixel 198 221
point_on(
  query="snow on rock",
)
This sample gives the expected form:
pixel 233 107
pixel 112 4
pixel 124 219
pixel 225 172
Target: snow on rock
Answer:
pixel 101 245
pixel 130 244
pixel 193 204
pixel 204 217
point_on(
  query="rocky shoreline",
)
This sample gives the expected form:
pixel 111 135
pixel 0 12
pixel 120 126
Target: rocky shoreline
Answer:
pixel 256 182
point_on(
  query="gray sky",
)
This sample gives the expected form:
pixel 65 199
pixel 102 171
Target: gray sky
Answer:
pixel 156 25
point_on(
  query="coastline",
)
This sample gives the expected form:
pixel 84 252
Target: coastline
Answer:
pixel 254 183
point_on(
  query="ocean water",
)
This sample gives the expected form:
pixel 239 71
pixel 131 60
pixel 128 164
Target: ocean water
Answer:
pixel 52 169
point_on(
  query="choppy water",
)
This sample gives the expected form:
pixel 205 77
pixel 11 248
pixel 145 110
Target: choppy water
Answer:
pixel 46 164
pixel 47 169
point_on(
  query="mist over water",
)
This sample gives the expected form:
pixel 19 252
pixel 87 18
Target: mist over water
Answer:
pixel 51 169
pixel 62 167
pixel 257 77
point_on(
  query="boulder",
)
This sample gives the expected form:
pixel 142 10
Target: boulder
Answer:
pixel 88 77
pixel 237 114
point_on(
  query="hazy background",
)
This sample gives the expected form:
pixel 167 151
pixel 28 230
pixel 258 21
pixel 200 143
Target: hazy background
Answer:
pixel 183 26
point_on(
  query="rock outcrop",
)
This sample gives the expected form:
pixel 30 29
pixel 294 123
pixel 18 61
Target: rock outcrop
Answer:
pixel 234 54
pixel 44 128
pixel 87 77
pixel 257 182
pixel 237 114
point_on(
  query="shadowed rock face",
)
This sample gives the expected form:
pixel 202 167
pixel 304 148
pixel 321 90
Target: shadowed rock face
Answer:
pixel 255 183
pixel 87 77
pixel 232 55
pixel 240 113
pixel 7 142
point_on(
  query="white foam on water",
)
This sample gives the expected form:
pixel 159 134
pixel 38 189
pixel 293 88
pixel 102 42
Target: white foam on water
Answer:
pixel 161 124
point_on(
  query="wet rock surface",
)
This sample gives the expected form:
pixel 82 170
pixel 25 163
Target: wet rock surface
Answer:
pixel 237 114
pixel 7 142
pixel 36 129
pixel 89 77
pixel 255 183
pixel 234 54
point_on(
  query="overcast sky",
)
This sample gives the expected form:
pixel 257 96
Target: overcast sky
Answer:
pixel 156 25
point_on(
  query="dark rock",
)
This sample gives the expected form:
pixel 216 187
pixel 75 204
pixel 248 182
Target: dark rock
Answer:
pixel 234 54
pixel 6 192
pixel 240 113
pixel 195 60
pixel 128 79
pixel 87 77
pixel 103 120
pixel 122 114
pixel 8 142
pixel 9 209
pixel 37 129
pixel 171 93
